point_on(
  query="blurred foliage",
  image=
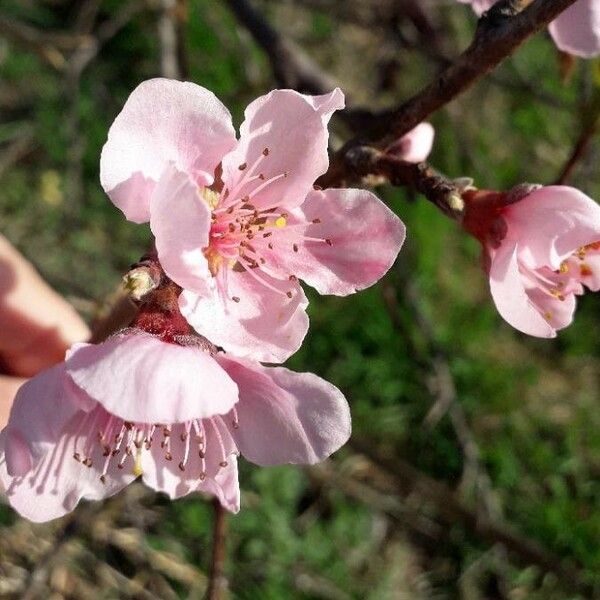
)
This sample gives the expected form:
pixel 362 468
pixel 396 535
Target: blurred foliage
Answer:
pixel 532 405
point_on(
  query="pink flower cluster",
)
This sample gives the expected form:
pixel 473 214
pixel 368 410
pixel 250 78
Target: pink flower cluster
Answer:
pixel 576 30
pixel 237 223
pixel 177 396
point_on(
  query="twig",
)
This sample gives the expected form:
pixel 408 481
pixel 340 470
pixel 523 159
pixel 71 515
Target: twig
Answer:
pixel 446 194
pixel 580 148
pixel 500 32
pixel 217 584
pixel 291 67
pixel 19 147
pixel 169 34
pixel 49 46
pixel 452 510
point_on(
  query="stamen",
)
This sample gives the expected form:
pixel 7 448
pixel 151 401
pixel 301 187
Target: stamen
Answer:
pixel 186 437
pixel 223 462
pixel 253 273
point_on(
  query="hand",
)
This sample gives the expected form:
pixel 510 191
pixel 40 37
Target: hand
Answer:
pixel 36 325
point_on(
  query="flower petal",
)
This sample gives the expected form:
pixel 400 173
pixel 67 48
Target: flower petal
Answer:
pixel 294 129
pixel 479 6
pixel 327 104
pixel 364 237
pixel 286 417
pixel 577 29
pixel 57 482
pixel 163 121
pixel 141 379
pixel 551 223
pixel 509 294
pixel 264 324
pixel 41 408
pixel 559 313
pixel 167 476
pixel 180 222
pixel 416 145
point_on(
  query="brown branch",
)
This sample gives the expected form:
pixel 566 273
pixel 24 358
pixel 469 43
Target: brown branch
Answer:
pixel 446 194
pixel 499 33
pixel 579 151
pixel 217 584
pixel 291 66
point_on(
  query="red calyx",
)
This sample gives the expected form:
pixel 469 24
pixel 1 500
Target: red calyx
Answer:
pixel 482 216
pixel 158 312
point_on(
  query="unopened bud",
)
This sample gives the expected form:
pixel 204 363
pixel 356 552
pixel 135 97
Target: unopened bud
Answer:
pixel 139 281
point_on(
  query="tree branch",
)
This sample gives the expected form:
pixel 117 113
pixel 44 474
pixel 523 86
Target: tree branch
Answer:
pixel 499 33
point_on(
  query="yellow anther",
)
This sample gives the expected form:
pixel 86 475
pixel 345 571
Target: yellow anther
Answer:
pixel 215 260
pixel 280 222
pixel 564 267
pixel 210 197
pixel 137 467
pixel 548 316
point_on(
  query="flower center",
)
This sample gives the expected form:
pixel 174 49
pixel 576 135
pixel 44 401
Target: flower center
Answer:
pixel 248 233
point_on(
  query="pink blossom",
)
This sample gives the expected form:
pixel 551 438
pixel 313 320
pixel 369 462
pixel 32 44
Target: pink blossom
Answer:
pixel 576 30
pixel 176 415
pixel 416 145
pixel 541 250
pixel 238 223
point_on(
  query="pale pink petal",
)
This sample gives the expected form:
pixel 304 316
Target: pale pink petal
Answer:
pixel 479 6
pixel 57 482
pixel 167 475
pixel 293 128
pixel 558 313
pixel 139 378
pixel 509 294
pixel 327 104
pixel 163 121
pixel 286 417
pixel 551 223
pixel 264 323
pixel 577 29
pixel 365 237
pixel 180 222
pixel 41 408
pixel 416 145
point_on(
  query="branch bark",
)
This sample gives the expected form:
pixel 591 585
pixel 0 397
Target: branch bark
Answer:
pixel 499 33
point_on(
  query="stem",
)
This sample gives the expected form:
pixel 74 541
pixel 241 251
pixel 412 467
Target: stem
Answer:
pixel 217 585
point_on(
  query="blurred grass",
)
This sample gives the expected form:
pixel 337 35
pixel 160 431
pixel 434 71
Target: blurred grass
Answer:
pixel 532 405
